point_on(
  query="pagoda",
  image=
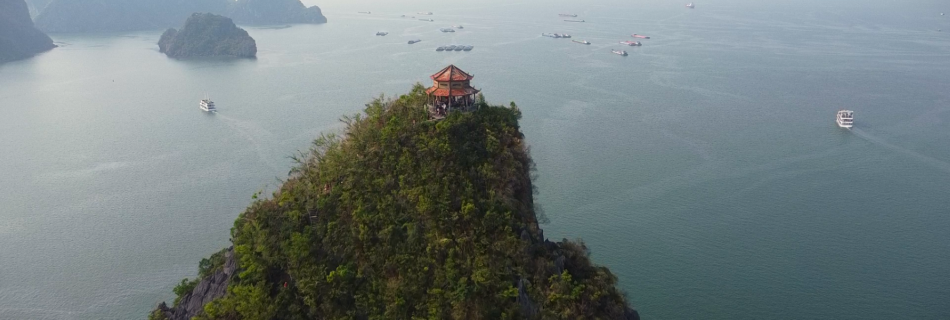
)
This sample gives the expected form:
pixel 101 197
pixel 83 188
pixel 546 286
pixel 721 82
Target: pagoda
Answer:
pixel 451 91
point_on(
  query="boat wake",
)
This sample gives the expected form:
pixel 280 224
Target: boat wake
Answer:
pixel 256 135
pixel 933 162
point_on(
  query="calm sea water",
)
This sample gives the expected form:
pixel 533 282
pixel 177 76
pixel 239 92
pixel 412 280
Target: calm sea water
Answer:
pixel 704 169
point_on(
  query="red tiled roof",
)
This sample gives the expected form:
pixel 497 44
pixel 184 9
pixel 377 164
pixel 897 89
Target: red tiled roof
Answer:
pixel 443 92
pixel 451 73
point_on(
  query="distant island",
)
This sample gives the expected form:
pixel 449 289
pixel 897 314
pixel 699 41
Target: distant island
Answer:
pixel 257 12
pixel 19 39
pixel 207 35
pixel 69 16
pixel 407 214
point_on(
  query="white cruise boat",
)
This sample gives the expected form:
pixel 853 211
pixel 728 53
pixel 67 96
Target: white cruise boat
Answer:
pixel 845 119
pixel 207 105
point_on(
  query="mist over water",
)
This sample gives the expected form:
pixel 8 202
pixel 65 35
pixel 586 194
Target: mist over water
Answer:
pixel 704 169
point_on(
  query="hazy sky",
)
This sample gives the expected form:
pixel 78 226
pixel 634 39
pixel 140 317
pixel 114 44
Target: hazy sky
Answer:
pixel 415 5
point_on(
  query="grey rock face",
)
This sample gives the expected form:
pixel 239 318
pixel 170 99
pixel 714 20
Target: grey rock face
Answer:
pixel 208 289
pixel 528 308
pixel 19 39
pixel 559 264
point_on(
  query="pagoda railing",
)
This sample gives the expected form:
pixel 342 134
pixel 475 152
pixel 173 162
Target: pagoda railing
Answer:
pixel 440 111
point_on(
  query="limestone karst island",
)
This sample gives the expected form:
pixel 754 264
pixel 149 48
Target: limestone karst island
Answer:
pixel 19 39
pixel 129 15
pixel 207 35
pixel 422 208
pixel 363 159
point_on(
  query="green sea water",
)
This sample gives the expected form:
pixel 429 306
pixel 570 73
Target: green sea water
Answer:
pixel 704 169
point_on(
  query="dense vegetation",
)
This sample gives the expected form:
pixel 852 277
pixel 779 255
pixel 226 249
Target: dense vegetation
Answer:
pixel 18 38
pixel 405 218
pixel 128 15
pixel 207 35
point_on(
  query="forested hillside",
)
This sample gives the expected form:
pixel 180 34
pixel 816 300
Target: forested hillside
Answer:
pixel 399 217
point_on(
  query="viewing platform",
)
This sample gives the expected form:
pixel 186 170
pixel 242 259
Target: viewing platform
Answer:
pixel 451 91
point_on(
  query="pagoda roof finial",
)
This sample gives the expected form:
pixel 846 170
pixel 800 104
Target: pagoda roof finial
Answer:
pixel 451 73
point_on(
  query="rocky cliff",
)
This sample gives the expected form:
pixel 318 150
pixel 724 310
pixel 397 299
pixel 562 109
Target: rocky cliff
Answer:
pixel 207 35
pixel 19 39
pixel 209 288
pixel 401 217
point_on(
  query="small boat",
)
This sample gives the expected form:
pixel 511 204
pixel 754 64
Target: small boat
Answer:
pixel 450 48
pixel 441 48
pixel 447 30
pixel 568 15
pixel 619 52
pixel 566 36
pixel 427 20
pixel 631 43
pixel 581 41
pixel 639 36
pixel 574 20
pixel 365 12
pixel 207 105
pixel 690 5
pixel 459 48
pixel 845 119
pixel 382 33
pixel 458 27
pixel 425 13
pixel 469 48
pixel 414 41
